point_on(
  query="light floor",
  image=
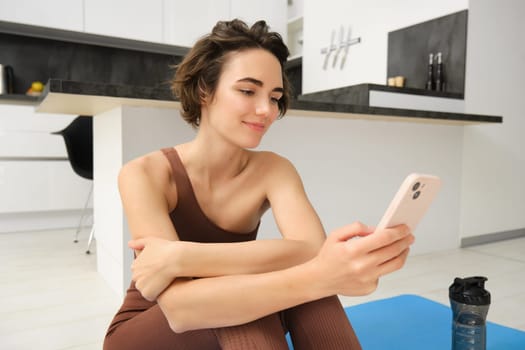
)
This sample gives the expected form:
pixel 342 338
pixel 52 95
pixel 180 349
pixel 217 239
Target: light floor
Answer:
pixel 52 297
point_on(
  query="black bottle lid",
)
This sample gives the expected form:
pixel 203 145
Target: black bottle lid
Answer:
pixel 470 291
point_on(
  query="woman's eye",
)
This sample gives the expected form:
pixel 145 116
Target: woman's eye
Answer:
pixel 275 100
pixel 247 92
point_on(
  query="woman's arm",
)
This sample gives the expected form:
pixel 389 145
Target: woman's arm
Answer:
pixel 191 259
pixel 229 300
pixel 297 221
pixel 343 266
pixel 145 201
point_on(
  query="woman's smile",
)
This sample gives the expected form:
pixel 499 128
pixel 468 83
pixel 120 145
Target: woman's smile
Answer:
pixel 255 126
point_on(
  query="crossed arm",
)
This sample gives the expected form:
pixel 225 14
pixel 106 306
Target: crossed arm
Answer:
pixel 240 282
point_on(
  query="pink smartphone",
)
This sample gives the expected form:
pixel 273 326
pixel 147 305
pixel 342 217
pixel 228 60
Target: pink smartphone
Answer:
pixel 411 201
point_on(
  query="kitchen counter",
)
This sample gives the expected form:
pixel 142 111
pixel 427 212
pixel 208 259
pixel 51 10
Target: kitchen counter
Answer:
pixel 19 99
pixel 357 94
pixel 397 100
pixel 86 98
pixel 131 120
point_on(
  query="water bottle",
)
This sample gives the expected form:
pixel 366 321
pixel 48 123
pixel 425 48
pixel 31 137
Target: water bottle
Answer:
pixel 470 303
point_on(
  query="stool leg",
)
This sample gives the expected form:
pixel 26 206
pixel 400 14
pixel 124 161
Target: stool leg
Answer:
pixel 79 227
pixel 91 236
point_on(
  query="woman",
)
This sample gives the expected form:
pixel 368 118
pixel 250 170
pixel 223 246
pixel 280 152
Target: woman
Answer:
pixel 200 279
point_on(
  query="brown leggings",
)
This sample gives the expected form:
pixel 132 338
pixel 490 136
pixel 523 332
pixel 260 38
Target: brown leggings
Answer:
pixel 320 324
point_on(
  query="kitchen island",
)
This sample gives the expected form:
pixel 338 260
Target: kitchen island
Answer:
pixel 352 158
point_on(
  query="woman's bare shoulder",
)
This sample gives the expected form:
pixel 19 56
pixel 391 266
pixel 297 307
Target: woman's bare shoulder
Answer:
pixel 268 157
pixel 275 166
pixel 148 196
pixel 150 171
pixel 149 163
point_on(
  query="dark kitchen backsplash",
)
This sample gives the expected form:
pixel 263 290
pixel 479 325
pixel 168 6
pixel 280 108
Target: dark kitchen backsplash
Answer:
pixel 294 73
pixel 34 58
pixel 39 54
pixel 409 48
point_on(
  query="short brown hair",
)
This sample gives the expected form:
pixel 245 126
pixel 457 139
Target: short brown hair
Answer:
pixel 198 74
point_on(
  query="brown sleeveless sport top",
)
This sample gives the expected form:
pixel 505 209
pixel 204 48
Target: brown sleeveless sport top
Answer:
pixel 192 225
pixel 189 220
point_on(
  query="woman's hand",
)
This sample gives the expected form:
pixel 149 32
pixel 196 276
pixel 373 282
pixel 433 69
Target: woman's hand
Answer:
pixel 352 266
pixel 155 267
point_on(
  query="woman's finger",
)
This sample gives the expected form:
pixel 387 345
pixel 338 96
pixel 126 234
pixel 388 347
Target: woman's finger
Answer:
pixel 393 264
pixel 349 231
pixel 385 237
pixel 137 244
pixel 392 250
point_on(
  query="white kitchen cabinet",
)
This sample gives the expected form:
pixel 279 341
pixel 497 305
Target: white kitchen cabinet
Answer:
pixel 134 19
pixel 294 38
pixel 61 14
pixel 38 187
pixel 130 19
pixel 24 133
pixel 41 186
pixel 40 195
pixel 175 22
pixel 186 21
pixel 274 12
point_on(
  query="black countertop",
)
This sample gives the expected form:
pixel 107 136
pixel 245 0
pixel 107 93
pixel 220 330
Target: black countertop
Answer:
pixel 394 113
pixel 108 90
pixel 359 94
pixel 19 99
pixel 57 90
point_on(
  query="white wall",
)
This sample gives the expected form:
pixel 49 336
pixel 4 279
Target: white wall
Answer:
pixel 493 184
pixel 370 20
pixel 352 168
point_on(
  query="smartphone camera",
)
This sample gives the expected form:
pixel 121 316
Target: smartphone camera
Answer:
pixel 415 188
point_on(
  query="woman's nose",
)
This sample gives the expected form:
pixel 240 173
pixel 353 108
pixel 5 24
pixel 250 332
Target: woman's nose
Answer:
pixel 263 108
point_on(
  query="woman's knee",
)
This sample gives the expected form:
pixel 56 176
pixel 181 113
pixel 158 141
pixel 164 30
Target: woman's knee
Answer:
pixel 263 333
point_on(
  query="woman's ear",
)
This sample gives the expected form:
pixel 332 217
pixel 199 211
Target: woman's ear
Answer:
pixel 204 99
pixel 203 94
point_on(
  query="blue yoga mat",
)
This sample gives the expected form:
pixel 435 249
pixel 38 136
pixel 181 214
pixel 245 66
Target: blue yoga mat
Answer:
pixel 411 322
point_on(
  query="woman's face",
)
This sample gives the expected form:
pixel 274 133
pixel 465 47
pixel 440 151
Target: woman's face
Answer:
pixel 245 102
